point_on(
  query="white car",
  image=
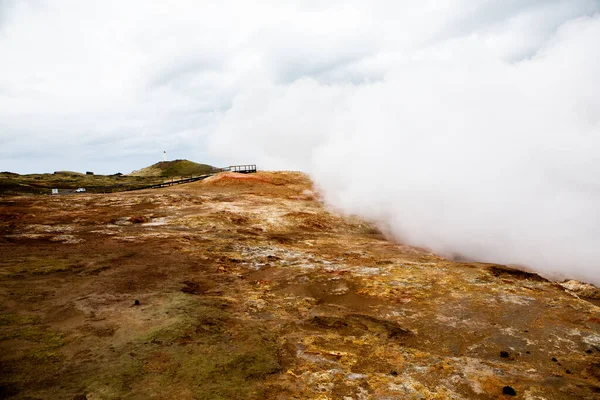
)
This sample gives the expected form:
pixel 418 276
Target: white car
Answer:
pixel 80 190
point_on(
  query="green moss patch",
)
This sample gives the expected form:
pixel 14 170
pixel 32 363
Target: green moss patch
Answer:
pixel 38 266
pixel 207 349
pixel 28 328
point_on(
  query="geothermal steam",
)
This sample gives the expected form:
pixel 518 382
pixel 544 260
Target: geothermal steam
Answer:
pixel 454 149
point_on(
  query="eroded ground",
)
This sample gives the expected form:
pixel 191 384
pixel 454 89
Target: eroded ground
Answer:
pixel 249 288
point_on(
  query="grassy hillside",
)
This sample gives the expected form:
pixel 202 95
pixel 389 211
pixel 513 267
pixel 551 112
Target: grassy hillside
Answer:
pixel 15 184
pixel 167 169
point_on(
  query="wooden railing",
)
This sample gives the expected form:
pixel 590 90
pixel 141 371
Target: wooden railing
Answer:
pixel 242 169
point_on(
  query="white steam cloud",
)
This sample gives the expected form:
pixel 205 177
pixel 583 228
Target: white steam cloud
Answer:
pixel 467 127
pixel 487 145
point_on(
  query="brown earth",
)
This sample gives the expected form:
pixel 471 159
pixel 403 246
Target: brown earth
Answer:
pixel 247 287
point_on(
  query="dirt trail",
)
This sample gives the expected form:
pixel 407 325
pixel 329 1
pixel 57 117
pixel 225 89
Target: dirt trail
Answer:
pixel 248 288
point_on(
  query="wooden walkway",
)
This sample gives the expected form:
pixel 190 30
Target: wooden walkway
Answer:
pixel 242 169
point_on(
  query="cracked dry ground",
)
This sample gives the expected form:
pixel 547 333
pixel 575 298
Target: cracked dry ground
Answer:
pixel 249 288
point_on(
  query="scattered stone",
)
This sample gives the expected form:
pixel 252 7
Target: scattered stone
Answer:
pixel 192 287
pixel 501 271
pixel 568 371
pixel 581 289
pixel 139 219
pixel 589 351
pixel 66 239
pixel 528 352
pixel 554 359
pixel 504 354
pixel 136 302
pixel 80 397
pixel 122 221
pixel 509 391
pixel 394 373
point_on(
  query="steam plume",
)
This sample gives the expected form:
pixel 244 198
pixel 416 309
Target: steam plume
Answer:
pixel 455 149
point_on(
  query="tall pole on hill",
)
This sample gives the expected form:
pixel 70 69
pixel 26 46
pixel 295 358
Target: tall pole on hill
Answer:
pixel 164 156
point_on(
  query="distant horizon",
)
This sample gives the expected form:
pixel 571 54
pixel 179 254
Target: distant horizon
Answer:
pixel 103 171
pixel 125 173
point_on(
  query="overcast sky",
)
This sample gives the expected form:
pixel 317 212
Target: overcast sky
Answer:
pixel 468 127
pixel 108 85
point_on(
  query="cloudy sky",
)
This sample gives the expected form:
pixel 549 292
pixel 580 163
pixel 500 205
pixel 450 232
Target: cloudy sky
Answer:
pixel 469 127
pixel 108 85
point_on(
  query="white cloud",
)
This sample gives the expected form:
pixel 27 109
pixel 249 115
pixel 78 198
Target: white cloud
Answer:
pixel 467 127
pixel 459 148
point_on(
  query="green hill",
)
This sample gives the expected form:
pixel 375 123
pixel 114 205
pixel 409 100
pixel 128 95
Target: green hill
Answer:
pixel 65 181
pixel 174 168
pixel 15 184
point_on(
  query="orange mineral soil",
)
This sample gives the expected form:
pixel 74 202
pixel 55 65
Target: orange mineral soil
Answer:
pixel 247 287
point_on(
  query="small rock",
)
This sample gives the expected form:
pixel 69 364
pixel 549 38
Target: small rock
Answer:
pixel 589 351
pixel 507 390
pixel 554 359
pixel 395 373
pixel 504 354
pixel 136 302
pixel 80 397
pixel 138 219
pixel 582 289
pixel 568 371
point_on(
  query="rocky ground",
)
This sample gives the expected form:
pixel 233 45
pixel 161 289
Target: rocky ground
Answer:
pixel 247 287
